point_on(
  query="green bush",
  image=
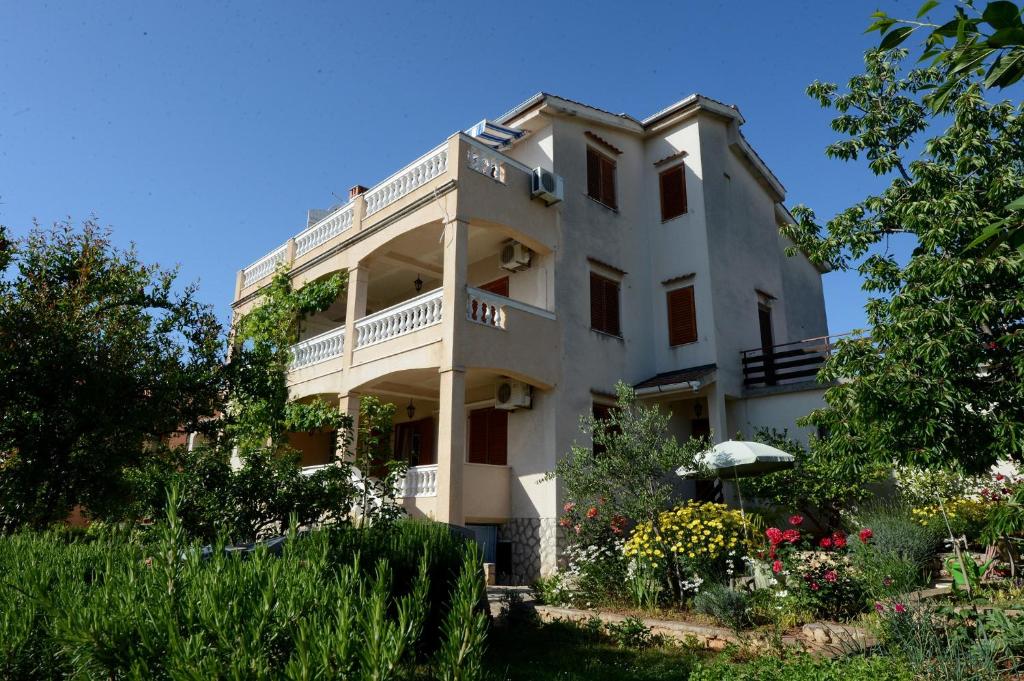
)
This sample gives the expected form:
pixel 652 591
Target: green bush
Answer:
pixel 885 573
pixel 896 533
pixel 803 667
pixel 631 633
pixel 340 603
pixel 728 607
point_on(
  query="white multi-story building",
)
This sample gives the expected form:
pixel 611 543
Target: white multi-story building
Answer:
pixel 503 282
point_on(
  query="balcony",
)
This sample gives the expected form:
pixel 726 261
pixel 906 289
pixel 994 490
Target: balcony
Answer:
pixel 786 363
pixel 398 320
pixel 318 349
pixel 486 491
pixel 420 481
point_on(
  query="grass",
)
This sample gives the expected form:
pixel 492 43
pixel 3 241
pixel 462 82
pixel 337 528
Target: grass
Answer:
pixel 566 652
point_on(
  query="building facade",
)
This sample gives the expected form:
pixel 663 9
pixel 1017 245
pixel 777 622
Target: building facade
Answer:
pixel 494 309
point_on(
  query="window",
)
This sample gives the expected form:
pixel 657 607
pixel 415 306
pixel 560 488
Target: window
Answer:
pixel 602 412
pixel 498 287
pixel 682 317
pixel 488 436
pixel 601 178
pixel 673 192
pixel 414 442
pixel 604 305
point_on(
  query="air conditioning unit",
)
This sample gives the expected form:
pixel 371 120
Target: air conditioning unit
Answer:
pixel 547 186
pixel 515 256
pixel 511 395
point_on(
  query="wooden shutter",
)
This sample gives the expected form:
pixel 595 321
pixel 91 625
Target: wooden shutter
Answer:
pixel 682 317
pixel 593 174
pixel 604 305
pixel 498 287
pixel 488 436
pixel 673 193
pixel 426 430
pixel 608 182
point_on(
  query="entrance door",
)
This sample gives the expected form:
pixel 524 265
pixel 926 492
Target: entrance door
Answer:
pixel 764 320
pixel 414 442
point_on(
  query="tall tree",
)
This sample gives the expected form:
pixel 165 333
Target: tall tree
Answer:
pixel 100 354
pixel 940 376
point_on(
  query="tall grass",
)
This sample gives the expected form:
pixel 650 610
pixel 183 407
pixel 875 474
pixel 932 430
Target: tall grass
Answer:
pixel 344 604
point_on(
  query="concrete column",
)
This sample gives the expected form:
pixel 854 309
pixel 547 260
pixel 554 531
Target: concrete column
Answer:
pixel 289 257
pixel 717 416
pixel 451 446
pixel 349 404
pixel 239 284
pixel 453 305
pixel 355 309
pixel 358 212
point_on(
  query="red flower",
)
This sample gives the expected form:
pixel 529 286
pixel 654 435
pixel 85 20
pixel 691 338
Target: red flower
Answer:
pixel 565 522
pixel 839 540
pixel 825 543
pixel 865 535
pixel 887 581
pixel 777 567
pixel 795 520
pixel 1000 477
pixel 791 536
pixel 831 576
pixel 879 607
pixel 568 507
pixel 814 586
pixel 774 535
pixel 591 512
pixel 899 607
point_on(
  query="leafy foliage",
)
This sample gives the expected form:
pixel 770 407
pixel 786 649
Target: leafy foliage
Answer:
pixel 939 378
pixel 818 486
pixel 100 355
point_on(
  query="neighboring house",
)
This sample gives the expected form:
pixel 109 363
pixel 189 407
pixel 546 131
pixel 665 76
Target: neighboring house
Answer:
pixel 494 315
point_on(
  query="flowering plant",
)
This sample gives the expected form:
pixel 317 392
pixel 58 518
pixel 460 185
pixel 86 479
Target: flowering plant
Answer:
pixel 695 539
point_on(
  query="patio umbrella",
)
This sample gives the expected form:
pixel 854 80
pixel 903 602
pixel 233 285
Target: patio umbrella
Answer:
pixel 740 459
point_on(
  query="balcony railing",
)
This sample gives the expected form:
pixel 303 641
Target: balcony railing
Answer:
pixel 318 349
pixel 415 175
pixel 412 315
pixel 489 309
pixel 420 481
pixel 785 363
pixel 265 266
pixel 326 229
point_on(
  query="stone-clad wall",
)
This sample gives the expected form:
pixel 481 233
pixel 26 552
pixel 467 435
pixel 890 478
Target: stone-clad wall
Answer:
pixel 535 547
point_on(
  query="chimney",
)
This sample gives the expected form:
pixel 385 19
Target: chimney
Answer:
pixel 356 191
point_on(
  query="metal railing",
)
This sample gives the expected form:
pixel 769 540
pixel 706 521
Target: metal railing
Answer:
pixel 786 362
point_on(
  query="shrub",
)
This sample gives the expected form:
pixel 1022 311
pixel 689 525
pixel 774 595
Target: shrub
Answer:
pixel 692 542
pixel 896 533
pixel 885 573
pixel 729 607
pixel 336 604
pixel 631 633
pixel 803 666
pixel 966 516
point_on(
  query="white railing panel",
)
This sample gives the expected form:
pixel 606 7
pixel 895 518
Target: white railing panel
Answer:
pixel 412 315
pixel 265 266
pixel 326 229
pixel 486 162
pixel 319 348
pixel 415 175
pixel 420 481
pixel 485 308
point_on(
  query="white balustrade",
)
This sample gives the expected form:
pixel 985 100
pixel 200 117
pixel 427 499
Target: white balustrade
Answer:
pixel 413 176
pixel 486 162
pixel 331 226
pixel 485 308
pixel 265 266
pixel 412 315
pixel 319 348
pixel 420 481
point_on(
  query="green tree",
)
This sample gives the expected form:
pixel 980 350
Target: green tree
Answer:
pixel 100 355
pixel 939 377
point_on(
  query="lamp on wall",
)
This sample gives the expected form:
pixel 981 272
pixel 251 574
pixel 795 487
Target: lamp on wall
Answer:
pixel 418 284
pixel 698 410
pixel 411 409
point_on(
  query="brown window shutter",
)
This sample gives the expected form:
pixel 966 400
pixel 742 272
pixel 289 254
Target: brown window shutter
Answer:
pixel 682 317
pixel 673 193
pixel 593 174
pixel 478 436
pixel 597 306
pixel 497 437
pixel 612 307
pixel 426 431
pixel 497 287
pixel 608 183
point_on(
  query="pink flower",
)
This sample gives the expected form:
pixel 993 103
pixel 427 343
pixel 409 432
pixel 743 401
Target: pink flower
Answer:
pixel 774 535
pixel 578 528
pixel 777 567
pixel 591 512
pixel 568 507
pixel 879 607
pixel 814 586
pixel 831 576
pixel 825 543
pixel 865 535
pixel 791 536
pixel 887 581
pixel 564 521
pixel 1000 477
pixel 899 607
pixel 795 520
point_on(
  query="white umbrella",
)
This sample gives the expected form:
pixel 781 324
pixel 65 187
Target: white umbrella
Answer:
pixel 739 459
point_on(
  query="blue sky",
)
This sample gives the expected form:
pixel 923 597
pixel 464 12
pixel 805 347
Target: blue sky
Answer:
pixel 203 131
